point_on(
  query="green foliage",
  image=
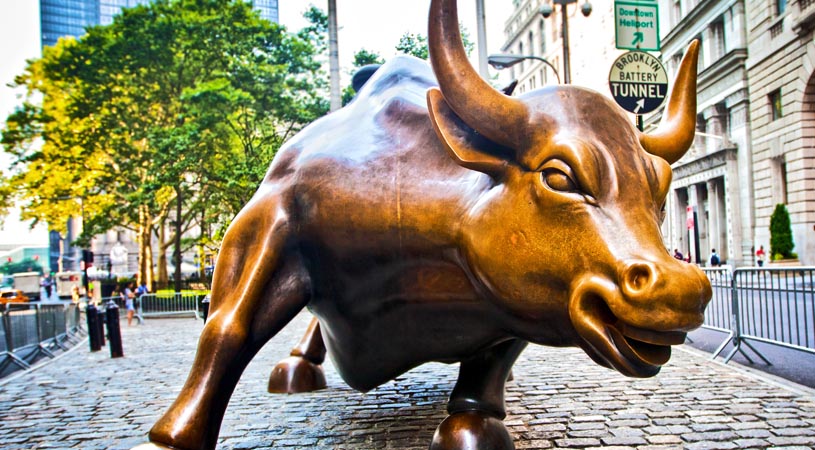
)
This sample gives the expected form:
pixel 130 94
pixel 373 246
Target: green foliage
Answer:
pixel 416 44
pixel 361 58
pixel 781 242
pixel 188 98
pixel 364 57
pixel 26 265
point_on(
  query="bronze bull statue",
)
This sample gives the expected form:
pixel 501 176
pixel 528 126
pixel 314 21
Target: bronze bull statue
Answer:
pixel 437 219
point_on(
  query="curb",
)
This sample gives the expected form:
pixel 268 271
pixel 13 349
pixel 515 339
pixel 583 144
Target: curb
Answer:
pixel 42 363
pixel 798 389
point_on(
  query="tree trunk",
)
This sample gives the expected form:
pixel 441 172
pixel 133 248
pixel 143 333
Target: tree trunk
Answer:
pixel 177 250
pixel 163 279
pixel 145 242
pixel 333 57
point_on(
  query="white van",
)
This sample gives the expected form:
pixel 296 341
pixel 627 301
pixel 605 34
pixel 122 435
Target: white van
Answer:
pixel 65 281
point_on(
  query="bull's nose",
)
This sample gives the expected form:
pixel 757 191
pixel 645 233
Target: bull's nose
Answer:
pixel 639 278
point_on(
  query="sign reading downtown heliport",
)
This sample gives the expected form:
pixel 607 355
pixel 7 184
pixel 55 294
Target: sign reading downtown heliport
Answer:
pixel 638 82
pixel 637 25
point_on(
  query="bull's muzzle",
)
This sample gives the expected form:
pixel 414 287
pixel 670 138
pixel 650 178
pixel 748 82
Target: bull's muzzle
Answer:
pixel 631 324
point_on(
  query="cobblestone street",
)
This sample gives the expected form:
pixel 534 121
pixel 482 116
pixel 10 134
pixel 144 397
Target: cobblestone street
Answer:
pixel 558 399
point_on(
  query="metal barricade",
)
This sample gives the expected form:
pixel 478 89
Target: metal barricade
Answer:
pixel 21 321
pixel 168 305
pixel 775 306
pixel 719 312
pixel 770 305
pixel 7 355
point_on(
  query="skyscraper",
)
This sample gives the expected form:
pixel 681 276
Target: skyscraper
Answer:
pixel 70 17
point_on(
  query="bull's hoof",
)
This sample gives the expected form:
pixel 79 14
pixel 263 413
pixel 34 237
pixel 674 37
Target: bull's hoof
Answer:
pixel 295 374
pixel 472 430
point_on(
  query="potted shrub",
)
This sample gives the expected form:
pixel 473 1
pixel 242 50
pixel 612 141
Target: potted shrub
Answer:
pixel 781 243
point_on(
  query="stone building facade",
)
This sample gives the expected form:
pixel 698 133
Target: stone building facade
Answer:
pixel 713 182
pixel 591 38
pixel 781 67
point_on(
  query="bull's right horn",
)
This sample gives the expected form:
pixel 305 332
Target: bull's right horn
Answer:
pixel 493 114
pixel 676 131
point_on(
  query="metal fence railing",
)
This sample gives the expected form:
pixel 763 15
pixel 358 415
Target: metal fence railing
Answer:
pixel 771 305
pixel 168 305
pixel 30 330
pixel 161 305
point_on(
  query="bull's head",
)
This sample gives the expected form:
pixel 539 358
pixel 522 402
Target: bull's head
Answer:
pixel 567 237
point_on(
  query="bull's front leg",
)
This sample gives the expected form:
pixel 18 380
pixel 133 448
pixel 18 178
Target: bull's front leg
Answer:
pixel 258 287
pixel 476 406
pixel 302 370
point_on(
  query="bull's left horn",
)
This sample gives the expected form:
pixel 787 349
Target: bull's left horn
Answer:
pixel 676 131
pixel 488 111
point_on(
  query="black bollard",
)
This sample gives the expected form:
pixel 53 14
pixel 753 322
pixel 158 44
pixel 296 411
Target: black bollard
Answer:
pixel 100 328
pixel 205 307
pixel 114 332
pixel 92 315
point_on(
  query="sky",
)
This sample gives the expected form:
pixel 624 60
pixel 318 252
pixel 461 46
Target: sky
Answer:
pixel 375 25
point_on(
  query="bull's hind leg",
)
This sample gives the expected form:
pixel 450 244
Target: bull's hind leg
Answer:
pixel 302 371
pixel 259 286
pixel 476 406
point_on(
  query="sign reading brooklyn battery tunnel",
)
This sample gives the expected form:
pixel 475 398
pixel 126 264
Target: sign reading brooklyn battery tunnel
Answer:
pixel 638 82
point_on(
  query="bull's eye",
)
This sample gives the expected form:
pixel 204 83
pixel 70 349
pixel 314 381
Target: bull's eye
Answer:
pixel 662 213
pixel 558 181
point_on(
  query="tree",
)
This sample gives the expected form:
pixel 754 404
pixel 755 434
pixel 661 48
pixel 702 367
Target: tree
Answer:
pixel 153 112
pixel 362 58
pixel 26 265
pixel 781 243
pixel 416 44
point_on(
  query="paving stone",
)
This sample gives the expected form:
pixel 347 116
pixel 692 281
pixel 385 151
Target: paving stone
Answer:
pixel 559 398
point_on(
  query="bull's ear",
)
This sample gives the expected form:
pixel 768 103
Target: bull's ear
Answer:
pixel 468 148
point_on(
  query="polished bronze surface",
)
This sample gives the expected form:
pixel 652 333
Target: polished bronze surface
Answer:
pixel 448 222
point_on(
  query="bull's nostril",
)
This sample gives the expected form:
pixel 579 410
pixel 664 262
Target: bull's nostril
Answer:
pixel 638 277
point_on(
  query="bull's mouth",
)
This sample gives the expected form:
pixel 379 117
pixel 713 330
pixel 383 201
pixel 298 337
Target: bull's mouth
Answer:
pixel 633 351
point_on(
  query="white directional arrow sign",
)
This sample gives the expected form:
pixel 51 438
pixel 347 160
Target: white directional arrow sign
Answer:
pixel 640 105
pixel 637 24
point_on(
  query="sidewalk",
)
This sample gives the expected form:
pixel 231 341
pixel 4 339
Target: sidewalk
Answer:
pixel 558 399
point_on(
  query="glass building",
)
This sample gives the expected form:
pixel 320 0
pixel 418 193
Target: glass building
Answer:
pixel 70 17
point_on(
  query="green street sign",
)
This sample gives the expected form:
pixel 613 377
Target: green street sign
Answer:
pixel 637 25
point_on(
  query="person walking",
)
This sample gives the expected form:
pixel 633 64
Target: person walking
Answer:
pixel 760 255
pixel 128 296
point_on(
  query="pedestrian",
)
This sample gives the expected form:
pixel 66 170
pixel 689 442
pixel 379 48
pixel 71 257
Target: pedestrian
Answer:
pixel 128 296
pixel 714 259
pixel 47 284
pixel 760 255
pixel 142 289
pixel 678 255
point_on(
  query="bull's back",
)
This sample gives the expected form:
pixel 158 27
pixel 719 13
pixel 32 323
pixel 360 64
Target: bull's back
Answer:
pixel 375 169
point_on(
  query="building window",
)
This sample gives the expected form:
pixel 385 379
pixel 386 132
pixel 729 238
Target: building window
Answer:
pixel 780 7
pixel 717 39
pixel 521 53
pixel 775 104
pixel 779 175
pixel 543 37
pixel 677 12
pixel 531 39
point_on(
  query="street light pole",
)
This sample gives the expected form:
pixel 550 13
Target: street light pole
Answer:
pixel 546 10
pixel 564 29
